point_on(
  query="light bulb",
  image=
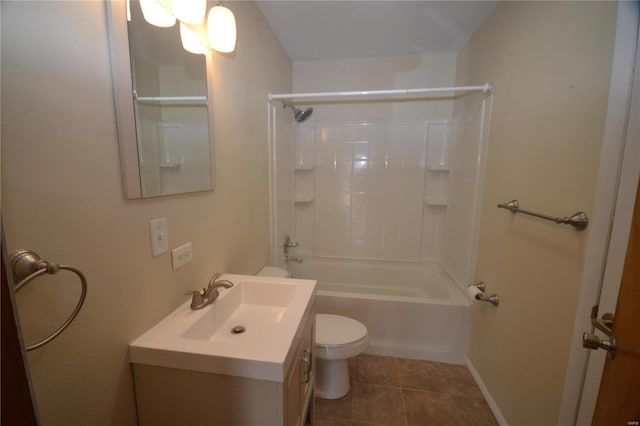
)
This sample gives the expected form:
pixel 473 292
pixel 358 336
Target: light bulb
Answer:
pixel 221 26
pixel 191 41
pixel 189 11
pixel 156 14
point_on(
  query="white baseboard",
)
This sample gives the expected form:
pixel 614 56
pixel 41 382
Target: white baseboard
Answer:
pixel 451 357
pixel 487 396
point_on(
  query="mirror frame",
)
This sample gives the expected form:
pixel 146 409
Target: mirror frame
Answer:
pixel 122 85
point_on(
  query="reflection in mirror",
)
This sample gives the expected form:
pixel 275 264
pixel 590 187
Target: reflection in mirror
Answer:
pixel 161 107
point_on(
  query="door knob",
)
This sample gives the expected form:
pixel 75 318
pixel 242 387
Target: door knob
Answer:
pixel 591 341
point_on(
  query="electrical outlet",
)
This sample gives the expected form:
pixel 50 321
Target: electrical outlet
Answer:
pixel 182 255
pixel 159 236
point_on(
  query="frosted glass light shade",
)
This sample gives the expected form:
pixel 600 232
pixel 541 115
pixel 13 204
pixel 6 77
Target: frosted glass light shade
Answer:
pixel 156 15
pixel 221 27
pixel 191 42
pixel 189 11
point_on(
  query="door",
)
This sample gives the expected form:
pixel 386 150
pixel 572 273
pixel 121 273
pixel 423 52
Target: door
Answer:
pixel 619 396
pixel 17 401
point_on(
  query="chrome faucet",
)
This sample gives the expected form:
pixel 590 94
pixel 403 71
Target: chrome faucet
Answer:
pixel 288 244
pixel 209 294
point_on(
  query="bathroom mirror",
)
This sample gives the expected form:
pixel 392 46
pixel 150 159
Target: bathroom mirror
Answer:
pixel 161 102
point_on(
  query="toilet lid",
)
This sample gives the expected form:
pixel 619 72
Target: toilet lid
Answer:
pixel 336 330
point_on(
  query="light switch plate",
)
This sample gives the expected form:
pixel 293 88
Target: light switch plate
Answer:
pixel 182 255
pixel 159 236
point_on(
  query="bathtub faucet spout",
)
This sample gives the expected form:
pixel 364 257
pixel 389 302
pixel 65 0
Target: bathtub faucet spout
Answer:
pixel 288 259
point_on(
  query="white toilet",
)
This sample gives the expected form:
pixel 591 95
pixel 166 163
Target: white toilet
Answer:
pixel 338 338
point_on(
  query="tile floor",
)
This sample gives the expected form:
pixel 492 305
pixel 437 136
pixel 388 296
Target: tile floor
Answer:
pixel 406 392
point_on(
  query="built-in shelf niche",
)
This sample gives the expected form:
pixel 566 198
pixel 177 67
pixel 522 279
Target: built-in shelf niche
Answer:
pixel 303 198
pixel 304 175
pixel 304 184
pixel 440 134
pixel 438 168
pixel 436 202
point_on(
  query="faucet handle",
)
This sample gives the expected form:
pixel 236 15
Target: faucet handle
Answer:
pixel 213 279
pixel 215 283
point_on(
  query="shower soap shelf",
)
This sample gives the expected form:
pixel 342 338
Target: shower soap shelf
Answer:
pixel 437 202
pixel 303 199
pixel 438 168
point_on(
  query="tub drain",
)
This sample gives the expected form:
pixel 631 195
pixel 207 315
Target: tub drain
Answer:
pixel 238 329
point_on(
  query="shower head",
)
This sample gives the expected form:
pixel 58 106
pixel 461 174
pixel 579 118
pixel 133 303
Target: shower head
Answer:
pixel 299 115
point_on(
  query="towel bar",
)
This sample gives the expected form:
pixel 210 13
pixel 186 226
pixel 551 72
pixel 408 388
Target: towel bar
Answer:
pixel 578 220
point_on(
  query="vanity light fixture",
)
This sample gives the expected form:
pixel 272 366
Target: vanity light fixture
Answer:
pixel 191 41
pixel 157 14
pixel 189 11
pixel 221 26
pixel 220 31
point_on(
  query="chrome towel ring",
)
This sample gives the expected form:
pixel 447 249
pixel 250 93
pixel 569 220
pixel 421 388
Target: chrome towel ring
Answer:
pixel 26 266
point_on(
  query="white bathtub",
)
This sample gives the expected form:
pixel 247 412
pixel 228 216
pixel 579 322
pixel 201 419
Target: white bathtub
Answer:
pixel 410 310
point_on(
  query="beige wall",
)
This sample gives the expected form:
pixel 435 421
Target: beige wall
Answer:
pixel 549 63
pixel 396 72
pixel 62 197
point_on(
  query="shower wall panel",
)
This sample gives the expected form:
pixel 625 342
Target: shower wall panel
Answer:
pixel 466 182
pixel 283 190
pixel 369 190
pixel 360 190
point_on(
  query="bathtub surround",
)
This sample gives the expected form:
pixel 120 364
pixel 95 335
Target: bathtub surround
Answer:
pixel 61 173
pixel 386 178
pixel 369 190
pixel 351 180
pixel 365 186
pixel 550 99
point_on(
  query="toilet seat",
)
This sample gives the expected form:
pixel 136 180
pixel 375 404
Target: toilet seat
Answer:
pixel 337 331
pixel 339 337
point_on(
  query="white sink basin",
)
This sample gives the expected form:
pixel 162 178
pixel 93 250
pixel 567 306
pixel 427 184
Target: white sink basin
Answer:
pixel 268 310
pixel 257 307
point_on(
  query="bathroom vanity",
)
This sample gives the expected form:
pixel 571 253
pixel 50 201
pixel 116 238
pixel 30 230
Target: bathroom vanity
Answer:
pixel 246 359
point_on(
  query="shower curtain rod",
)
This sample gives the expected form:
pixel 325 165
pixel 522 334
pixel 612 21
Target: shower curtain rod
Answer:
pixel 484 88
pixel 167 100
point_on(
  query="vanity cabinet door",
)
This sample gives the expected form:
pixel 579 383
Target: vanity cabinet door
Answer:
pixel 308 366
pixel 293 396
pixel 301 378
